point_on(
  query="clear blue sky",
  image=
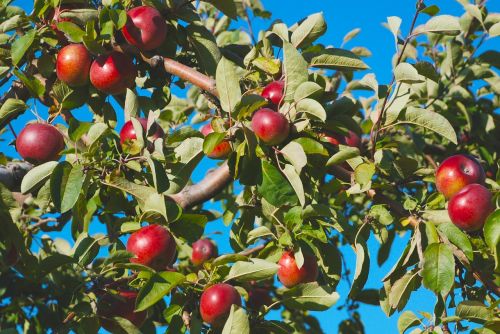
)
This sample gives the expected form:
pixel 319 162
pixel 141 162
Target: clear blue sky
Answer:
pixel 341 17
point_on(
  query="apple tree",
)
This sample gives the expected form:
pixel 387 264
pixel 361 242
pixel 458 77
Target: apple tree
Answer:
pixel 315 157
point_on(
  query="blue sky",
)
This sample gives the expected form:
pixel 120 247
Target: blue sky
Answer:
pixel 341 17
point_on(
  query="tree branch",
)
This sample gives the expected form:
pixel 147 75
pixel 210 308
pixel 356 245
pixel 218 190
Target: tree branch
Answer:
pixel 212 184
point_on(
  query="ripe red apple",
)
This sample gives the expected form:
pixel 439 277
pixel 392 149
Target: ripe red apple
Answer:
pixel 258 297
pixel 145 28
pixel 203 250
pixel 216 301
pixel 270 126
pixel 469 208
pixel 127 133
pixel 113 73
pixel 352 139
pixel 456 172
pixel 153 246
pixel 121 305
pixel 73 65
pixel 273 92
pixel 222 150
pixel 333 138
pixel 39 143
pixel 290 274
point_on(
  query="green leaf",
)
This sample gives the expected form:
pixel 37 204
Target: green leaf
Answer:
pixel 345 153
pixel 307 89
pixel 86 249
pixel 308 30
pixel 37 176
pixel 295 70
pixel 491 231
pixel 406 73
pixel 310 296
pixel 337 59
pixel 381 214
pixel 11 23
pixel 80 16
pixel 439 268
pixel 75 33
pixel 228 85
pixel 32 83
pixel 364 172
pixel 212 140
pixel 362 268
pixel 259 232
pixel 160 176
pixel 275 188
pixel 458 238
pixel 350 35
pixel 429 120
pixel 407 320
pixel 237 322
pixel 311 107
pixel 21 45
pixel 157 287
pixel 294 153
pixel 131 108
pixel 271 66
pixel 124 326
pixel 402 288
pixel 294 179
pixel 65 185
pixel 11 109
pixel 227 7
pixel 253 270
pixel 474 311
pixel 206 50
pixel 442 24
pixel 495 30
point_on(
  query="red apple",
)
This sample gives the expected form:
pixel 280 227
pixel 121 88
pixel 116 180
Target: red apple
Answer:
pixel 273 92
pixel 73 65
pixel 113 73
pixel 203 250
pixel 270 126
pixel 39 143
pixel 128 132
pixel 121 305
pixel 146 28
pixel 469 208
pixel 456 172
pixel 216 301
pixel 222 150
pixel 352 139
pixel 333 138
pixel 290 274
pixel 258 297
pixel 153 246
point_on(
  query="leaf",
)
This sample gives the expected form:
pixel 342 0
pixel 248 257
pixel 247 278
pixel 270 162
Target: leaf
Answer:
pixel 65 185
pixel 307 89
pixel 131 108
pixel 310 296
pixel 255 269
pixel 311 107
pixel 439 268
pixel 157 287
pixel 295 70
pixel 381 214
pixel 458 238
pixel 11 109
pixel 86 249
pixel 338 59
pixel 259 232
pixel 37 176
pixel 32 83
pixel 495 30
pixel 80 16
pixel 206 50
pixel 475 311
pixel 237 322
pixel 309 30
pixel 228 85
pixel 442 24
pixel 74 32
pixel 407 320
pixel 227 7
pixel 294 179
pixel 491 231
pixel 345 153
pixel 212 140
pixel 271 66
pixel 401 290
pixel 394 22
pixel 294 153
pixel 362 268
pixel 427 70
pixel 159 174
pixel 429 120
pixel 406 73
pixel 350 35
pixel 11 23
pixel 430 10
pixel 275 188
pixel 21 45
pixel 364 172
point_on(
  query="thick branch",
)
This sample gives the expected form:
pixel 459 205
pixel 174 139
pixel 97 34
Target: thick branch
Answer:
pixel 212 184
pixel 12 174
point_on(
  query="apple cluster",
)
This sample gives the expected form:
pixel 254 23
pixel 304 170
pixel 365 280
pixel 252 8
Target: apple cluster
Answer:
pixel 460 179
